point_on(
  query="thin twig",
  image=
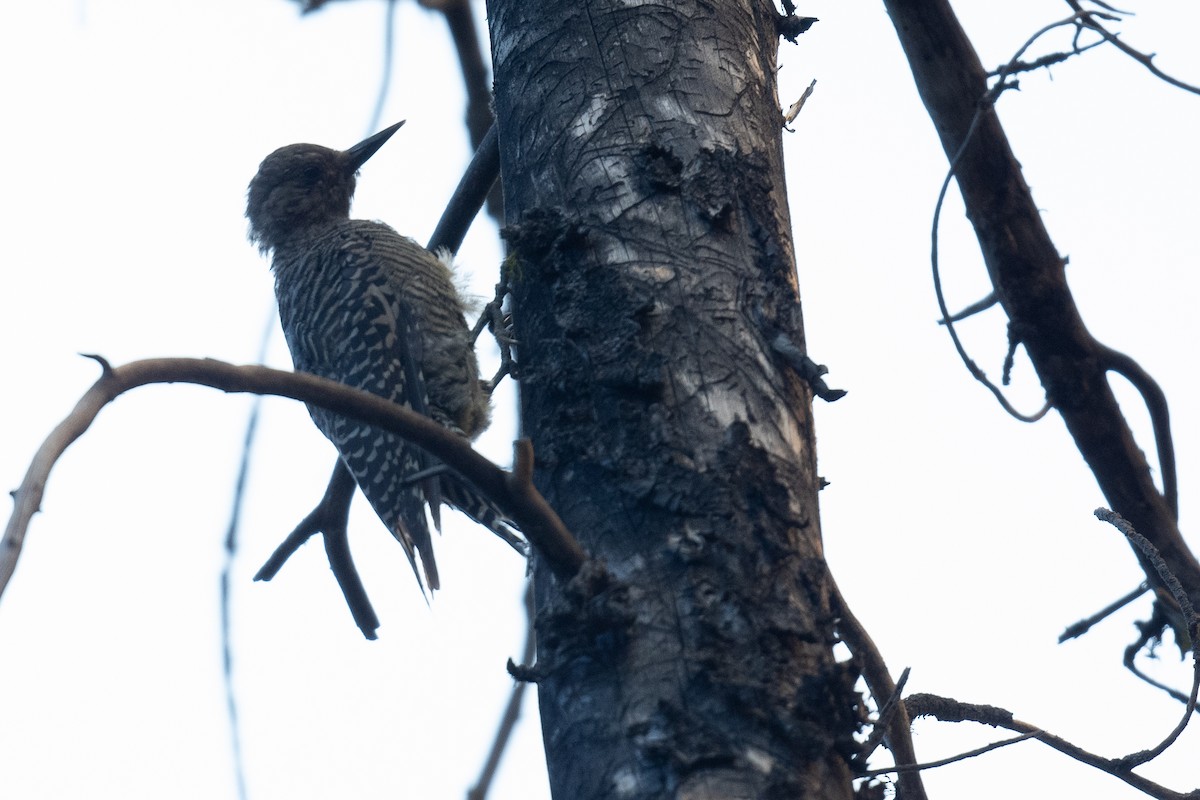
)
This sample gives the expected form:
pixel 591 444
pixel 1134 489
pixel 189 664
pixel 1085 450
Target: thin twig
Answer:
pixel 1084 625
pixel 987 748
pixel 1150 632
pixel 389 52
pixel 231 549
pixel 512 711
pixel 1048 60
pixel 975 308
pixel 1088 18
pixel 880 726
pixel 1019 252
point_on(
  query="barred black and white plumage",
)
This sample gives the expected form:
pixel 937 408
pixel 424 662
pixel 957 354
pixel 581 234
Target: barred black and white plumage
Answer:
pixel 367 307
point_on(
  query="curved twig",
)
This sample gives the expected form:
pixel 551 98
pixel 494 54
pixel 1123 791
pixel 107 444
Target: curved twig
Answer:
pixel 1160 417
pixel 947 318
pixel 516 497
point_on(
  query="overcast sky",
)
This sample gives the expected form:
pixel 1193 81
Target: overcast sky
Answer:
pixel 963 539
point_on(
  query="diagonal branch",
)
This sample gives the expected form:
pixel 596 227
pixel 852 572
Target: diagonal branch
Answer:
pixel 1030 277
pixel 894 722
pixel 513 493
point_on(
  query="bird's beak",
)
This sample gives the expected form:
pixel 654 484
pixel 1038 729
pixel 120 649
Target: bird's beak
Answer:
pixel 357 155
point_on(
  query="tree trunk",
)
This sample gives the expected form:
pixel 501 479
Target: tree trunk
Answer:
pixel 652 265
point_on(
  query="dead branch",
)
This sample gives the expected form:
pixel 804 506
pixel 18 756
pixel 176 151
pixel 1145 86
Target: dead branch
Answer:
pixel 1029 275
pixel 1191 625
pixel 331 519
pixel 950 710
pixel 1089 19
pixel 1077 629
pixel 513 493
pixel 896 722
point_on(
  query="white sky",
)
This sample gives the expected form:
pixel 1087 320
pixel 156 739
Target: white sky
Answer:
pixel 963 539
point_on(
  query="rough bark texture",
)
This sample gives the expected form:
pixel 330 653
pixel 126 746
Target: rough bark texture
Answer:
pixel 1030 277
pixel 642 166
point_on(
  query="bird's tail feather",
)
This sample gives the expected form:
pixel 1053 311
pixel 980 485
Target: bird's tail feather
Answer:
pixel 461 495
pixel 425 549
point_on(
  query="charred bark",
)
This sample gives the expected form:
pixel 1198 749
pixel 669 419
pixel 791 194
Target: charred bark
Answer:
pixel 651 264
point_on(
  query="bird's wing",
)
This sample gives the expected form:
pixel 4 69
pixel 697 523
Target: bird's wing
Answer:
pixel 361 332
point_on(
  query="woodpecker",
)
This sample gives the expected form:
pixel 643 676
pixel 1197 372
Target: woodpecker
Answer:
pixel 367 307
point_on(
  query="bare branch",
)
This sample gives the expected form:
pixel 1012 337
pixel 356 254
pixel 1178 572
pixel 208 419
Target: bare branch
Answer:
pixel 1043 62
pixel 1164 572
pixel 1029 274
pixel 517 498
pixel 1088 18
pixel 1189 616
pixel 481 174
pixel 460 21
pixel 975 308
pixel 879 680
pixel 331 519
pixel 950 710
pixel 1081 627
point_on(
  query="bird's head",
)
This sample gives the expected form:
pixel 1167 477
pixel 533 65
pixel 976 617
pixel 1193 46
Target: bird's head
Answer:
pixel 304 185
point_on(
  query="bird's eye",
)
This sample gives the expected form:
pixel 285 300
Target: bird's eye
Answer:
pixel 310 174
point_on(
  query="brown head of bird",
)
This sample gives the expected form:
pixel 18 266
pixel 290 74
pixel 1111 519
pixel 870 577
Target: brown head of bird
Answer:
pixel 302 187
